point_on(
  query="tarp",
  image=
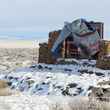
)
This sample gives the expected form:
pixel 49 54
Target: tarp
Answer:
pixel 84 34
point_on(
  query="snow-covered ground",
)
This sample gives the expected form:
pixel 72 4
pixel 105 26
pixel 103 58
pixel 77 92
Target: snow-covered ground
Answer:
pixel 69 80
pixel 27 102
pixel 49 87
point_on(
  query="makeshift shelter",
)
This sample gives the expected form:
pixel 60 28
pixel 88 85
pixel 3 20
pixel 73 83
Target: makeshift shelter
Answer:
pixel 79 39
pixel 81 35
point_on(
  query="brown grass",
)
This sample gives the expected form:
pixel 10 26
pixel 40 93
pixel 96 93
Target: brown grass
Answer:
pixel 5 90
pixel 3 84
pixel 79 103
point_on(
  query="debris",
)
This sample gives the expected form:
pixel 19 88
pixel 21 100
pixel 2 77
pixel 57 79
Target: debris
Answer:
pixel 79 39
pixel 84 35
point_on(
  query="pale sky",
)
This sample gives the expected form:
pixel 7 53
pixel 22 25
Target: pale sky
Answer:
pixel 35 18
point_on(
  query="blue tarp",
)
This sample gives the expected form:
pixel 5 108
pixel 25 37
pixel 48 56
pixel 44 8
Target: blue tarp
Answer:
pixel 79 29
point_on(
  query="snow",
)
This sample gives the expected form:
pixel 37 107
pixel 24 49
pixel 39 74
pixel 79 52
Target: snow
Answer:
pixel 52 87
pixel 26 102
pixel 34 102
pixel 69 79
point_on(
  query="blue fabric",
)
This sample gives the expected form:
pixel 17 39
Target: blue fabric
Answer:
pixel 56 52
pixel 80 26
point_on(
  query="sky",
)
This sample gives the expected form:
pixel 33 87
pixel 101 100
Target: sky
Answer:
pixel 36 18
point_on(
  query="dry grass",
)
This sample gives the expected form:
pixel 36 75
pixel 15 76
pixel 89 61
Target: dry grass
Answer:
pixel 57 103
pixel 79 103
pixel 5 90
pixel 3 84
